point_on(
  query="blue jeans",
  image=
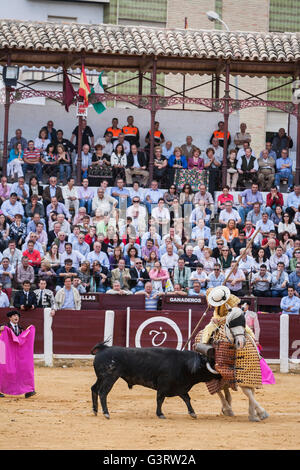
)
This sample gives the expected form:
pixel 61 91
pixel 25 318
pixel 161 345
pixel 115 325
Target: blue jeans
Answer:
pixel 36 167
pixel 62 168
pixel 137 289
pixel 243 211
pixel 101 289
pixel 284 174
pixel 87 204
pixel 279 293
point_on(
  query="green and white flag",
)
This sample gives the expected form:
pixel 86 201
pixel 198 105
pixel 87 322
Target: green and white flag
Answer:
pixel 98 88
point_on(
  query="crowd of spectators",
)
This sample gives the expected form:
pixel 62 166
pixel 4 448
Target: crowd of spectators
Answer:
pixel 125 235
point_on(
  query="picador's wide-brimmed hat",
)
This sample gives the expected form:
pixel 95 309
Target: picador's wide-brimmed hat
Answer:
pixel 218 296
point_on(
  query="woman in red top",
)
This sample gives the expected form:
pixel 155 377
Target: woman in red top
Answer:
pixel 224 197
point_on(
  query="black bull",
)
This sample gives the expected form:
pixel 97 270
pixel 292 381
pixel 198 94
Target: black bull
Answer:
pixel 169 371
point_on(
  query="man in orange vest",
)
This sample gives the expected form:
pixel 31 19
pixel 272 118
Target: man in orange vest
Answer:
pixel 159 138
pixel 131 132
pixel 114 129
pixel 219 134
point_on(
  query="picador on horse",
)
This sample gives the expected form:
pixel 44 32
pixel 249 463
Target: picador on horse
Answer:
pixel 236 356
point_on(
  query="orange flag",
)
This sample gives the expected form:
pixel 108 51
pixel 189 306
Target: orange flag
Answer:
pixel 84 88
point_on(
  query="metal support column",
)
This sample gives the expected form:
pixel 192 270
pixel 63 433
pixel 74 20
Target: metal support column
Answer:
pixel 153 113
pixel 5 133
pixel 226 117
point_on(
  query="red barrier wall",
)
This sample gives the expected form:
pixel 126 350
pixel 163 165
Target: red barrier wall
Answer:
pixel 27 318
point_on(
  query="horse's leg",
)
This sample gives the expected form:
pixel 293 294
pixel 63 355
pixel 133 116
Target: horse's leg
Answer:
pixel 226 408
pixel 187 400
pixel 94 390
pixel 159 401
pixel 228 397
pixel 253 406
pixel 104 388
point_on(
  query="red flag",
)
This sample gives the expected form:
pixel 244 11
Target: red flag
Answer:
pixel 68 91
pixel 84 87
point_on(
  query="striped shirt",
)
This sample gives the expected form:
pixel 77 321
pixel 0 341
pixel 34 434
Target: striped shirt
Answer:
pixel 33 156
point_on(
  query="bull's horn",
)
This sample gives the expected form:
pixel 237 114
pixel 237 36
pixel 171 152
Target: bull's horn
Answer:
pixel 213 371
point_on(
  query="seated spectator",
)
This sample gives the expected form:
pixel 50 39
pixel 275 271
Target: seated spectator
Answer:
pixel 34 256
pixel 148 249
pixel 274 199
pixel 160 163
pixel 293 261
pixel 196 290
pixel 70 195
pixel 49 160
pixel 261 282
pixel 286 225
pixel 122 141
pixel 216 277
pixel 277 217
pixel 200 213
pixel 4 300
pixel 232 172
pixel 271 152
pixel 152 195
pixel 212 164
pixel 207 259
pixel 206 197
pixel 100 278
pixel 4 189
pixel 230 231
pixel 17 139
pixel 293 201
pixel 234 279
pixel 242 136
pixel 190 260
pixel 294 279
pixel 247 168
pixel 131 257
pixel 199 275
pixel 247 263
pixel 290 304
pixel 255 215
pixel 121 274
pixel 224 197
pixel 84 274
pixel 138 214
pixel 219 134
pixel 186 196
pixel 280 280
pixel 284 170
pixel 81 246
pixel 100 163
pixel 61 140
pixel 170 195
pixel 225 259
pixel 117 290
pixel 103 202
pixel 15 162
pixel 150 263
pixel 34 207
pixel 118 162
pixel 106 143
pixel 53 190
pixel 213 241
pixel 228 213
pixel 25 299
pixel 136 166
pixel 44 296
pixel 151 296
pixel 66 271
pixel 67 297
pixel 281 141
pixel 121 194
pixel 195 162
pixel 64 162
pixel 265 224
pixel 98 255
pixel 201 231
pixel 86 160
pixel 139 276
pixel 32 160
pixel 182 274
pixel 47 274
pixel 277 257
pixel 161 217
pixel 177 161
pixel 76 257
pixel 159 276
pixel 270 247
pixel 137 191
pixel 4 232
pixel 238 243
pixel 242 151
pixel 21 189
pixel 12 253
pixel 266 171
pixel 168 149
pixel 42 141
pixel 59 208
pixel 159 138
pixel 85 196
pixel 188 148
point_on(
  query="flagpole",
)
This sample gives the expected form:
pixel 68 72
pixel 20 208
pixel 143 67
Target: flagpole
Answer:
pixel 79 149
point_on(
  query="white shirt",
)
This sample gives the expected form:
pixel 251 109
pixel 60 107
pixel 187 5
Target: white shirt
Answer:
pixel 163 214
pixel 169 262
pixel 225 215
pixel 4 302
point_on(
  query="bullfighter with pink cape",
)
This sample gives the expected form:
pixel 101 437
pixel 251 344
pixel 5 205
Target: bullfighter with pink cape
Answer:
pixel 16 361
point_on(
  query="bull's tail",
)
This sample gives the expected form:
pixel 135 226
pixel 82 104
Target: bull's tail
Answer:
pixel 99 347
